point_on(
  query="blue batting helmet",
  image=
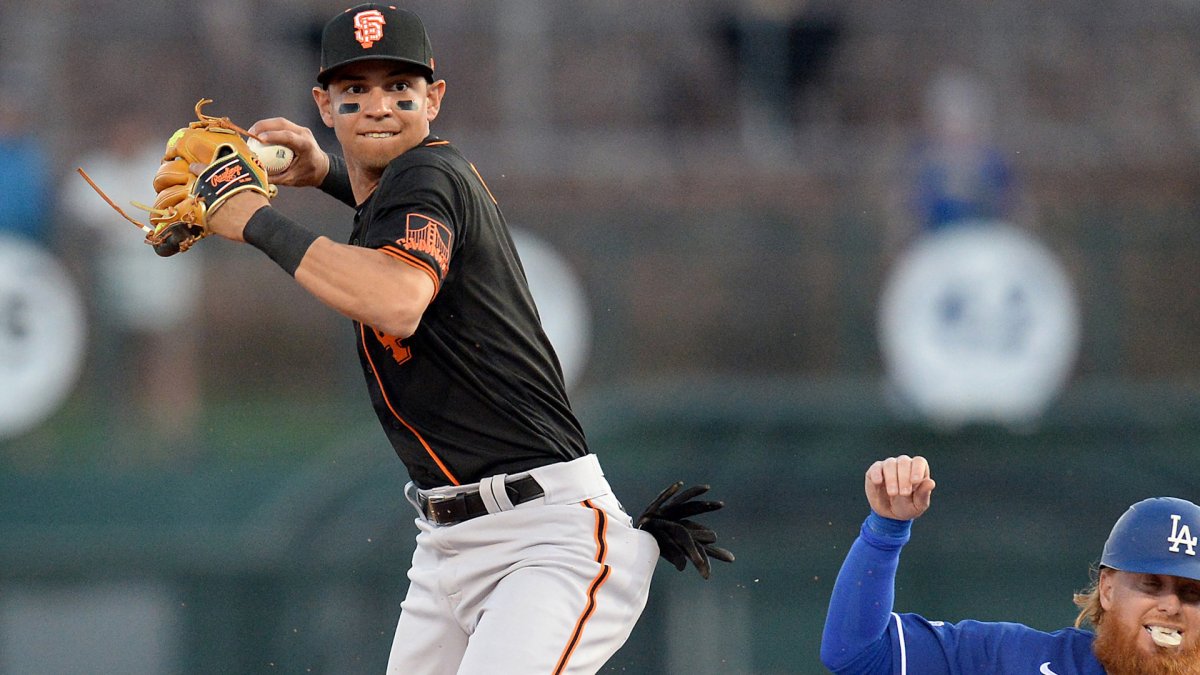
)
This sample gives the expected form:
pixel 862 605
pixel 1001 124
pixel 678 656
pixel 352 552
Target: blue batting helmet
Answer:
pixel 1156 536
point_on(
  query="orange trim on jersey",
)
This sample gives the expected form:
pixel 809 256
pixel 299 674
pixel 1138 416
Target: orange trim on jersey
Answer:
pixel 593 589
pixel 483 183
pixel 433 143
pixel 383 392
pixel 406 257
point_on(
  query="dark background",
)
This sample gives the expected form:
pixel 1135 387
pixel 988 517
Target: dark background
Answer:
pixel 728 181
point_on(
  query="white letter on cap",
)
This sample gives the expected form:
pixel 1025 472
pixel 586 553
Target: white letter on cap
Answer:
pixel 1181 536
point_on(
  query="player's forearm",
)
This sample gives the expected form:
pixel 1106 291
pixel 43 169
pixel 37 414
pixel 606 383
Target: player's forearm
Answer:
pixel 861 603
pixel 366 285
pixel 363 284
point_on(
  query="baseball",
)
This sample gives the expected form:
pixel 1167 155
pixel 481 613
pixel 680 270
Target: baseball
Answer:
pixel 275 158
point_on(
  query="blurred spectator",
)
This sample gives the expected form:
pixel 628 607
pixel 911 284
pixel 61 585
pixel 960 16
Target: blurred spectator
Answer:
pixel 145 348
pixel 25 183
pixel 956 171
pixel 780 49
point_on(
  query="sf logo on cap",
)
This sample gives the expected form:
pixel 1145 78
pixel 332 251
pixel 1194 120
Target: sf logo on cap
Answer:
pixel 1181 536
pixel 368 27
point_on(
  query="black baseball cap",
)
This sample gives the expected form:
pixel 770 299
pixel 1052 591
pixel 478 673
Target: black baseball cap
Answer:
pixel 374 31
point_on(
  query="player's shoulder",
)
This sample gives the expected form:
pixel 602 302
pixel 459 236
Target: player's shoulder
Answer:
pixel 432 152
pixel 1004 627
pixel 433 162
pixel 1006 646
pixel 1001 632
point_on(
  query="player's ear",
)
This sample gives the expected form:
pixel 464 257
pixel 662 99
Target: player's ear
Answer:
pixel 433 98
pixel 1104 587
pixel 324 105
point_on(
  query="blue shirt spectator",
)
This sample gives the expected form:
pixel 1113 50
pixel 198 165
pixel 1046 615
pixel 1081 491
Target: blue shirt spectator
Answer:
pixel 25 184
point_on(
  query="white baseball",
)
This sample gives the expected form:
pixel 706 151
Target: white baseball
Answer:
pixel 275 158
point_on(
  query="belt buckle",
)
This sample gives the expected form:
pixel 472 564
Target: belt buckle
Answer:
pixel 435 508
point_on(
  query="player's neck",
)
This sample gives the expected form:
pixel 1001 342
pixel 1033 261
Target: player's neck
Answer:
pixel 363 181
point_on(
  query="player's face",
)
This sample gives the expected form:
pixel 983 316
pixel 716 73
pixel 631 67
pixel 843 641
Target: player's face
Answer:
pixel 1139 606
pixel 378 111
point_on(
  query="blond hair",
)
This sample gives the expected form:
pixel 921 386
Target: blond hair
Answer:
pixel 1088 602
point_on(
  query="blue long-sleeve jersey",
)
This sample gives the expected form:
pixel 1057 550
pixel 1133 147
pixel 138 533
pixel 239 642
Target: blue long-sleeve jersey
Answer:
pixel 863 635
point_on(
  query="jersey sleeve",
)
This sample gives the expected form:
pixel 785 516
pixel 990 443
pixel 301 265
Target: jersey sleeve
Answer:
pixel 415 219
pixel 337 181
pixel 855 638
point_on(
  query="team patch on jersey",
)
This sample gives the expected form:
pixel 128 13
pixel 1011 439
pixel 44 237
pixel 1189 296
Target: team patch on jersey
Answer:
pixel 426 235
pixel 368 27
pixel 394 346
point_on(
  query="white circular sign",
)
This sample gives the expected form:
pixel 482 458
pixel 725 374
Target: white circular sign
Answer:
pixel 560 300
pixel 42 330
pixel 979 323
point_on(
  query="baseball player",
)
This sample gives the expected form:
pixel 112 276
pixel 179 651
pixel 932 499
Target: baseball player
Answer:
pixel 525 560
pixel 1144 602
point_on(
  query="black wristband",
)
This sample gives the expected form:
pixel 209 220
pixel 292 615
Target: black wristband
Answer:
pixel 282 239
pixel 337 181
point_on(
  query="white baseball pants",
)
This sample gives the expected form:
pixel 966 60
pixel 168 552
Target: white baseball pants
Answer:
pixel 554 585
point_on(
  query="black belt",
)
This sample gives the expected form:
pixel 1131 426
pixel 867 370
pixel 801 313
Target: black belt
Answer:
pixel 450 509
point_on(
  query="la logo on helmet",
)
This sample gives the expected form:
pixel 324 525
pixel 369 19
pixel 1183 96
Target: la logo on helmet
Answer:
pixel 368 27
pixel 1181 536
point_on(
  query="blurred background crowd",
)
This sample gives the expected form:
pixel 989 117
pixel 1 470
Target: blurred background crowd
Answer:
pixel 720 192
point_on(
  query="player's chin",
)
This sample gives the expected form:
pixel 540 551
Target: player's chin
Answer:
pixel 378 152
pixel 371 159
pixel 1129 649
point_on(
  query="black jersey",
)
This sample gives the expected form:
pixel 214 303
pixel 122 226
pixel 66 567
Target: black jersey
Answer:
pixel 477 390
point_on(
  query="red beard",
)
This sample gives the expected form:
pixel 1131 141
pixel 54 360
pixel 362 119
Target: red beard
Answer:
pixel 1118 652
